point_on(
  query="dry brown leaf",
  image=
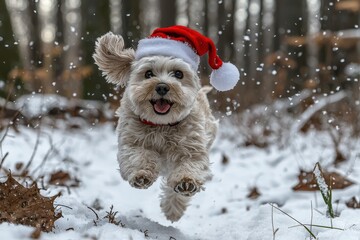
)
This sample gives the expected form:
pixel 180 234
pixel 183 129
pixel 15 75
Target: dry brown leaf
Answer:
pixel 36 233
pixel 254 193
pixel 26 206
pixel 59 178
pixel 353 203
pixel 225 160
pixel 307 181
pixel 62 178
pixel 19 166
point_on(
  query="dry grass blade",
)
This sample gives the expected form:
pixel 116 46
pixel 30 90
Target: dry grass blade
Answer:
pixel 318 226
pixel 272 223
pixel 306 228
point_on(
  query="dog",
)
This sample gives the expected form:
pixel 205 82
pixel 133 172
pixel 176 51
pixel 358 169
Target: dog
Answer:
pixel 165 126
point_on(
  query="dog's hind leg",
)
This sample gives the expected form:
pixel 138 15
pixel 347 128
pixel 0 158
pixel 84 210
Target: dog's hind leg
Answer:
pixel 173 204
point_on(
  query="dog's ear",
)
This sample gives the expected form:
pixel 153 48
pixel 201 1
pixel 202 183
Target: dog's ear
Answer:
pixel 112 59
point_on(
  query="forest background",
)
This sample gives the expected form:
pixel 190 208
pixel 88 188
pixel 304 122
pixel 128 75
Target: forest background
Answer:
pixel 282 47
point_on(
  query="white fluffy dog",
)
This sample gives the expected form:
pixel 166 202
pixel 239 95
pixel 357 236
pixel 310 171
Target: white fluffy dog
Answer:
pixel 165 123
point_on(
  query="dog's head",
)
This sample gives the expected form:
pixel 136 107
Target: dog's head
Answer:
pixel 159 89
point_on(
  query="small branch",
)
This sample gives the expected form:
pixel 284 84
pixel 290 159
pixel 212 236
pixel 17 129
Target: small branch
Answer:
pixel 34 151
pixel 272 223
pixel 97 216
pixel 5 134
pixel 3 159
pixel 46 157
pixel 11 89
pixel 310 111
pixel 61 205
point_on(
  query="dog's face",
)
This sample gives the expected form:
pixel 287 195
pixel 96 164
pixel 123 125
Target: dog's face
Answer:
pixel 159 89
pixel 162 89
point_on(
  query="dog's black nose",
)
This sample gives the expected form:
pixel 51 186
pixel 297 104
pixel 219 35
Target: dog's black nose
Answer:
pixel 162 89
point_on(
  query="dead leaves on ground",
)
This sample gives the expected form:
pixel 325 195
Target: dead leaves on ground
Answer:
pixel 353 203
pixel 61 178
pixel 254 193
pixel 26 206
pixel 75 113
pixel 307 181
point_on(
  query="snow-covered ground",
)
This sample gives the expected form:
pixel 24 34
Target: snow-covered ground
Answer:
pixel 222 211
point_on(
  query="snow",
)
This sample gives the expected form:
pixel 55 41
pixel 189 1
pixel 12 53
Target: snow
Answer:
pixel 37 104
pixel 353 69
pixel 222 211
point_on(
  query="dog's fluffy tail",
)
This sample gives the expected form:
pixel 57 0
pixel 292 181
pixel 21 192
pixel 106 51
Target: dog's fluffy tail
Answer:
pixel 173 204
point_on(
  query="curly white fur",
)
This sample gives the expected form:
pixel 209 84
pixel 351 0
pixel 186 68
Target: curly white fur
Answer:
pixel 179 152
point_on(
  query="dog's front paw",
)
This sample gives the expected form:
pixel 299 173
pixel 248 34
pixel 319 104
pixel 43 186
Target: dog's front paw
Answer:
pixel 187 187
pixel 142 179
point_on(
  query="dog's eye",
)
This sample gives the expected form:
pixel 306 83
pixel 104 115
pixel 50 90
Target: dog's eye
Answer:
pixel 149 74
pixel 178 74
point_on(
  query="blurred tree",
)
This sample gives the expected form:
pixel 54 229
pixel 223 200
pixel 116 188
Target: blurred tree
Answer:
pixel 131 22
pixel 167 12
pixel 95 22
pixel 71 79
pixel 280 47
pixel 9 57
pixel 22 22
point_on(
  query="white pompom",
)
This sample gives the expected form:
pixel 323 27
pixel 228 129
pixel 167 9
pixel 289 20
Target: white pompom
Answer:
pixel 225 78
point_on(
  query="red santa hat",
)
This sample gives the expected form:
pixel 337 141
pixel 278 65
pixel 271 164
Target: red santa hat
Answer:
pixel 188 44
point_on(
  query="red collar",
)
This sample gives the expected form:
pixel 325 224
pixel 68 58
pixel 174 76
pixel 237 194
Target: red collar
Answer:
pixel 146 122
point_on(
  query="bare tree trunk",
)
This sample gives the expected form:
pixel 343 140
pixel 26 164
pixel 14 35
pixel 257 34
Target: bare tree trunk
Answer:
pixel 213 21
pixel 20 18
pixel 254 17
pixel 206 18
pixel 221 21
pixel 168 12
pixel 268 47
pixel 226 29
pixel 115 16
pixel 131 22
pixel 71 82
pixel 313 9
pixel 182 12
pixel 268 25
pixel 196 14
pixel 240 26
pixel 231 54
pixel 47 19
pixel 150 16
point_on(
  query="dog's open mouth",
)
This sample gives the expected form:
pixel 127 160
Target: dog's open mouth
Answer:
pixel 161 106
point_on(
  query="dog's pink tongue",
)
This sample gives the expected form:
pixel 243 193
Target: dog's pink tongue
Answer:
pixel 161 106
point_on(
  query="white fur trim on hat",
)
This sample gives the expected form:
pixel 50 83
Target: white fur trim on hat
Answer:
pixel 225 78
pixel 167 47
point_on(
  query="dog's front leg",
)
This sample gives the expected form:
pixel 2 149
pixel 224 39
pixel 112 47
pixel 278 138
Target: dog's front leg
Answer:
pixel 139 166
pixel 190 173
